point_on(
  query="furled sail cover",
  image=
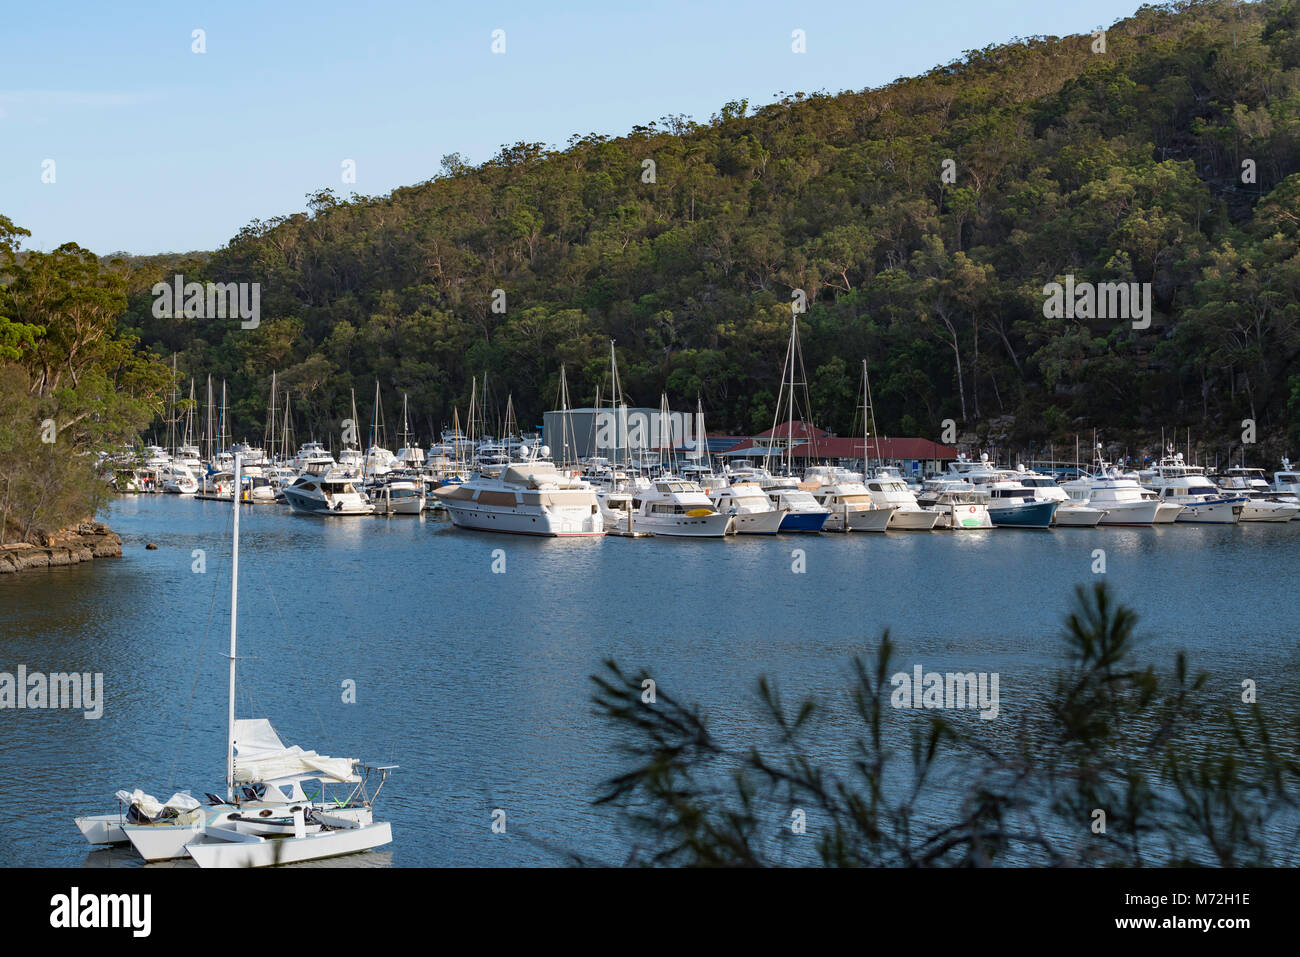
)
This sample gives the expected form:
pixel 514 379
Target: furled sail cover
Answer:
pixel 261 756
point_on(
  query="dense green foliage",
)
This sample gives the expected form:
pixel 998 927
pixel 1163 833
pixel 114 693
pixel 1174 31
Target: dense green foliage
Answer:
pixel 70 384
pixel 1115 763
pixel 1114 166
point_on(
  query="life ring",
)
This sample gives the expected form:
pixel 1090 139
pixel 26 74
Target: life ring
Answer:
pixel 972 509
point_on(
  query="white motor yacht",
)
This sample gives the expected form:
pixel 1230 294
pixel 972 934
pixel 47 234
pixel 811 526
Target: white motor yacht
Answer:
pixel 1122 500
pixel 329 494
pixel 1260 505
pixel 803 512
pixel 888 488
pixel 313 459
pixel 847 499
pixel 1178 483
pixel 956 503
pixel 675 508
pixel 752 510
pixel 525 498
pixel 397 495
pixel 1286 484
pixel 177 479
pixel 218 485
pixel 1079 514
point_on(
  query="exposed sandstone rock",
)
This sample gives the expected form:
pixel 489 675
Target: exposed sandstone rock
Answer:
pixel 87 541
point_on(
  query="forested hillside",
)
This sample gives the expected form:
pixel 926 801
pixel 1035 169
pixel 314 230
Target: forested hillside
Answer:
pixel 1117 166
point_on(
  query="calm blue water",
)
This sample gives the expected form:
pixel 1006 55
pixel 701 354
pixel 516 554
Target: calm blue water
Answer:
pixel 477 683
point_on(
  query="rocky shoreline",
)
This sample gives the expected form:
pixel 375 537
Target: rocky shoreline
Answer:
pixel 87 541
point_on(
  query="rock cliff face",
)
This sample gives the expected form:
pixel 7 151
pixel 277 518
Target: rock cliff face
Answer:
pixel 66 547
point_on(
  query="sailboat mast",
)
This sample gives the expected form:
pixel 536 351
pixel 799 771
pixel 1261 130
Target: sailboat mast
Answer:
pixel 234 607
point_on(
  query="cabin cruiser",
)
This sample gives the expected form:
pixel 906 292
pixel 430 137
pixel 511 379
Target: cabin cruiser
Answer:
pixel 179 480
pixel 1012 504
pixel 887 487
pixel 329 494
pixel 379 461
pixel 218 485
pixel 1071 512
pixel 752 510
pixel 1259 505
pixel 956 503
pixel 188 456
pixel 1120 497
pixel 397 494
pixel 842 493
pixel 351 460
pixel 312 459
pixel 618 512
pixel 676 508
pixel 1186 485
pixel 803 512
pixel 251 456
pixel 525 498
pixel 491 457
pixel 409 457
pixel 614 493
pixel 156 458
pixel 1286 484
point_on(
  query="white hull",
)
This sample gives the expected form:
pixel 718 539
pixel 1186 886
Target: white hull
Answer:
pixel 316 505
pixel 963 518
pixel 1167 513
pixel 536 521
pixel 685 526
pixel 1141 512
pixel 162 842
pixel 759 523
pixel 102 828
pixel 1215 513
pixel 860 520
pixel 225 847
pixel 913 520
pixel 1079 516
pixel 1268 512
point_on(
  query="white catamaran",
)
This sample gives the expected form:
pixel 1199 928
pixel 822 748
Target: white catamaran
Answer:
pixel 266 817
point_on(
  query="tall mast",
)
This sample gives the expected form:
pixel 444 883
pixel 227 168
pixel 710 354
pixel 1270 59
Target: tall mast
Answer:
pixel 701 444
pixel 620 407
pixel 268 439
pixel 174 418
pixel 224 438
pixel 285 442
pixel 209 452
pixel 189 417
pixel 564 417
pixel 234 609
pixel 776 415
pixel 868 419
pixel 789 428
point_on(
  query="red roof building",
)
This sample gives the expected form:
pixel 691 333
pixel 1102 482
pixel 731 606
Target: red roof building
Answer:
pixel 810 444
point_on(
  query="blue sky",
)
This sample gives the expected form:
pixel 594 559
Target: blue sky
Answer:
pixel 157 148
